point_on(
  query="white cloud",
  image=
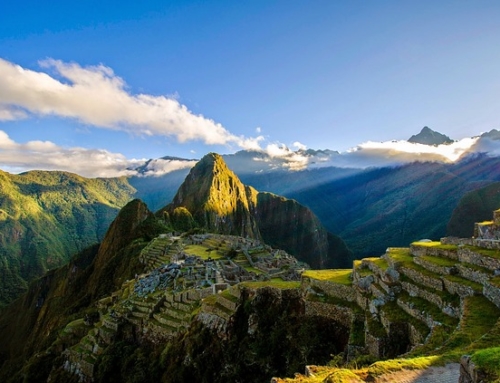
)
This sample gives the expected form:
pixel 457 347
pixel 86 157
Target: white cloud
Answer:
pixel 45 155
pixel 94 95
pixel 299 146
pixel 258 129
pixel 159 167
pixel 371 154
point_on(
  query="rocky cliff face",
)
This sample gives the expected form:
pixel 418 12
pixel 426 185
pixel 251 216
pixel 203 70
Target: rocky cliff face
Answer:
pixel 219 202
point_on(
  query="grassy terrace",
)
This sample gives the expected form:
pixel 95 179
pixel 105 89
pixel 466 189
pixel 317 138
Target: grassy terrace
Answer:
pixel 334 301
pixel 275 282
pixel 486 252
pixel 445 296
pixel 339 276
pixel 226 294
pixel 436 244
pixel 202 251
pixel 429 308
pixel 381 263
pixel 477 287
pixel 439 261
pixel 422 270
pixel 400 255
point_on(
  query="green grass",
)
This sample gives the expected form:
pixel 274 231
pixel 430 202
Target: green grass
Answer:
pixel 275 282
pixel 435 244
pixel 486 252
pixel 431 309
pixel 489 360
pixel 339 276
pixel 477 287
pixel 201 251
pixel 439 261
pixel 392 365
pixel 400 255
pixel 396 314
pixel 379 262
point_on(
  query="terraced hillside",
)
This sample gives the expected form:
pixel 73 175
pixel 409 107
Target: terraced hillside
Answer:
pixel 431 303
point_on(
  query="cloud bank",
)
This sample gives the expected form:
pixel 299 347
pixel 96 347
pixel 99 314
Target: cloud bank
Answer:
pixel 94 95
pixel 371 154
pixel 45 155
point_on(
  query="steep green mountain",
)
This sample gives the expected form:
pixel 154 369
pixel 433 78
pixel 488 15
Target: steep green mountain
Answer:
pixel 45 217
pixel 214 198
pixel 29 324
pixel 428 136
pixel 475 206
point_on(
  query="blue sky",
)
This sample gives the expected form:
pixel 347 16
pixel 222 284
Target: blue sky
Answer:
pixel 323 74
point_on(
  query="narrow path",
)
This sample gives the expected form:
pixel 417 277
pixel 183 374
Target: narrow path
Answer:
pixel 446 374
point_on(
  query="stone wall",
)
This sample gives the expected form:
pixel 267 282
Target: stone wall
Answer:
pixel 336 313
pixel 457 288
pixel 416 313
pixel 416 291
pixel 227 303
pixel 336 290
pixel 421 279
pixel 433 267
pixel 456 241
pixel 375 346
pixel 472 274
pixel 469 373
pixel 469 256
pixel 492 293
pixel 418 251
pixel 486 243
pixel 415 336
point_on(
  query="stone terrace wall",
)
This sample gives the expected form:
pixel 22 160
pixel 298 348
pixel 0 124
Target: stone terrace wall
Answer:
pixel 456 241
pixel 344 292
pixel 423 279
pixel 432 266
pixel 433 251
pixel 492 293
pixel 469 256
pixel 339 314
pixel 487 243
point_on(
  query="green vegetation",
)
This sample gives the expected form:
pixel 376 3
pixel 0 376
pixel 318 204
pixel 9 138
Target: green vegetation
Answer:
pixel 340 276
pixel 275 282
pixel 489 360
pixel 436 245
pixel 46 217
pixel 486 252
pixel 439 261
pixel 203 251
pixel 400 255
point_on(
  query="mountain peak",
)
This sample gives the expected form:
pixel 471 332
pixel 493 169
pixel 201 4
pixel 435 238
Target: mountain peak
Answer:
pixel 216 198
pixel 428 136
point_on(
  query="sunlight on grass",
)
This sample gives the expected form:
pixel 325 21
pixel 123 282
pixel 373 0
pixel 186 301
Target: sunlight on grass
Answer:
pixel 202 252
pixel 340 276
